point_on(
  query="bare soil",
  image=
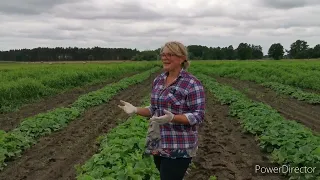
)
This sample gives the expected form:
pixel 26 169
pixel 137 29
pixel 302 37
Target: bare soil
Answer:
pixel 224 150
pixel 55 156
pixel 288 107
pixel 9 121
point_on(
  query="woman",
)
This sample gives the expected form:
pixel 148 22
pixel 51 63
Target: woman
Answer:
pixel 177 108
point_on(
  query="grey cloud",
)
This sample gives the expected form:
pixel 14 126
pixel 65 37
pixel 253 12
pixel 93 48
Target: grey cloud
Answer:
pixel 70 28
pixel 29 7
pixel 119 11
pixel 66 24
pixel 297 31
pixel 243 15
pixel 212 22
pixel 229 9
pixel 207 10
pixel 184 21
pixel 302 23
pixel 133 24
pixel 49 35
pixel 19 10
pixel 288 4
pixel 278 24
pixel 303 18
pixel 163 31
pixel 140 30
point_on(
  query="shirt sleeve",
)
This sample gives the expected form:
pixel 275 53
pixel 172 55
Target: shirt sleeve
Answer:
pixel 196 103
pixel 151 107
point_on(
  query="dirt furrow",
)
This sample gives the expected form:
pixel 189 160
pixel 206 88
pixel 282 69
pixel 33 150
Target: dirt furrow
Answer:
pixel 10 120
pixel 224 151
pixel 55 156
pixel 290 108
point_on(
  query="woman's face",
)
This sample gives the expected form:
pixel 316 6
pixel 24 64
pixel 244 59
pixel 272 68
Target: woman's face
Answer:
pixel 170 61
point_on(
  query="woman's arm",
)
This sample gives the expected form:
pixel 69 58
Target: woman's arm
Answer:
pixel 143 111
pixel 180 119
pixel 196 103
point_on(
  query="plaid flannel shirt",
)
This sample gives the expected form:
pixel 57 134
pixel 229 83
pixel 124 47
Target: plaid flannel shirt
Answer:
pixel 184 96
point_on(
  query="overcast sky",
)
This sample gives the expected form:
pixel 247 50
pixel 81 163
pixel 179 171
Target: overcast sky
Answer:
pixel 147 24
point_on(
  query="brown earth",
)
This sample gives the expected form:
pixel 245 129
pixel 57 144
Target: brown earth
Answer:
pixel 288 107
pixel 55 156
pixel 224 151
pixel 10 120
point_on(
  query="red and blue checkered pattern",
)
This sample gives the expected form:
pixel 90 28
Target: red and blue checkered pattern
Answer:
pixel 185 96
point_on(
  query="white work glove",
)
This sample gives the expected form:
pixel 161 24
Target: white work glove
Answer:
pixel 166 118
pixel 128 108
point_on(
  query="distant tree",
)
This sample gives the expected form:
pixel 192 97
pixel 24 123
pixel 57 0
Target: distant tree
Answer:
pixel 244 51
pixel 230 53
pixel 90 57
pixel 207 54
pixel 316 51
pixel 298 49
pixel 69 53
pixel 148 55
pixel 191 55
pixel 256 52
pixel 276 51
pixel 197 50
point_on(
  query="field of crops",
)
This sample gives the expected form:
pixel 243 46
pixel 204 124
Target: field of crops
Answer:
pixel 29 83
pixel 61 121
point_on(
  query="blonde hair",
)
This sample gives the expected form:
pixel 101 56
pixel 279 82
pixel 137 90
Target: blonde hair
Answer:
pixel 178 49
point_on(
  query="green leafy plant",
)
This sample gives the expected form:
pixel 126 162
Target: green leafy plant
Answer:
pixel 14 142
pixel 120 154
pixel 32 82
pixel 294 92
pixel 289 142
pixel 283 77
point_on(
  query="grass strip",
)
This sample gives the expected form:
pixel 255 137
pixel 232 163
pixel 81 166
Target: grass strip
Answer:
pixel 14 142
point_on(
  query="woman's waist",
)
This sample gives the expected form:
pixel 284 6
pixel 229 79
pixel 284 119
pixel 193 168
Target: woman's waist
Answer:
pixel 178 127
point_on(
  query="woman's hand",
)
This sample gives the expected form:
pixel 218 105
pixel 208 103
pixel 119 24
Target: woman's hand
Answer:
pixel 128 108
pixel 169 117
pixel 163 119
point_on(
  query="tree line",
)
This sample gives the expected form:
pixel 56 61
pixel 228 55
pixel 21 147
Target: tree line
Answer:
pixel 298 50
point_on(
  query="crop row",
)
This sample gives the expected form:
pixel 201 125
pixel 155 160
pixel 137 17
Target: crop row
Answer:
pixel 30 83
pixel 289 142
pixel 282 72
pixel 14 142
pixel 121 154
pixel 295 92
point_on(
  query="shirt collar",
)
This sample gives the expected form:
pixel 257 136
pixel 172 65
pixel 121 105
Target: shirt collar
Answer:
pixel 182 73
